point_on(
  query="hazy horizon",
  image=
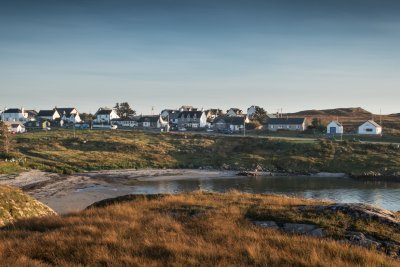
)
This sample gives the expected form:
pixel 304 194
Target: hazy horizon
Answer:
pixel 294 55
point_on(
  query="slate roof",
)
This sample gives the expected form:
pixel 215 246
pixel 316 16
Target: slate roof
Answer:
pixel 104 111
pixel 152 118
pixel 288 121
pixel 190 114
pixel 66 110
pixel 13 110
pixel 235 120
pixel 46 113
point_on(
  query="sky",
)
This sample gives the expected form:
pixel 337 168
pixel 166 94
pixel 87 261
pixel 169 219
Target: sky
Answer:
pixel 278 54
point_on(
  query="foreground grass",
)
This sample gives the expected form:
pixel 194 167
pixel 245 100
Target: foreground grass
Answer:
pixel 59 151
pixel 175 230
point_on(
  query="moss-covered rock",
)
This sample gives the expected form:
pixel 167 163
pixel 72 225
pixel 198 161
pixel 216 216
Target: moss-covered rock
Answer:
pixel 15 204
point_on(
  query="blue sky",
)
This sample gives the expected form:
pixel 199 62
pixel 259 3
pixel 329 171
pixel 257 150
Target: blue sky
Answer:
pixel 285 54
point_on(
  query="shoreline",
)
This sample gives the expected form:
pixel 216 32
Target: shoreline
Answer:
pixel 68 193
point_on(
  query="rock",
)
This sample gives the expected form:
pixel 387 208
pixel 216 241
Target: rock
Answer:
pixel 360 239
pixel 299 228
pixel 267 224
pixel 319 232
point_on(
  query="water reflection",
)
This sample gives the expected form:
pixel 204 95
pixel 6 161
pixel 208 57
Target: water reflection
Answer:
pixel 384 194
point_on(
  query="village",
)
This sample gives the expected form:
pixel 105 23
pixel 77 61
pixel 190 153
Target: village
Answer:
pixel 185 118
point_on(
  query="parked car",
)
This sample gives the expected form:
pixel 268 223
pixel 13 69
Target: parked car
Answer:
pixel 209 130
pixel 182 129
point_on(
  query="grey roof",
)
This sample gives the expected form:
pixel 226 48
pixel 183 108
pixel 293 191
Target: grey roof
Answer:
pixel 104 111
pixel 289 121
pixel 66 110
pixel 13 110
pixel 151 118
pixel 46 113
pixel 190 114
pixel 234 120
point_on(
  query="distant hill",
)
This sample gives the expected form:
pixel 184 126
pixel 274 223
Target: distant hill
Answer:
pixel 15 204
pixel 342 112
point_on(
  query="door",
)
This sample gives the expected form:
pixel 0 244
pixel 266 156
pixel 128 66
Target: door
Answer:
pixel 332 130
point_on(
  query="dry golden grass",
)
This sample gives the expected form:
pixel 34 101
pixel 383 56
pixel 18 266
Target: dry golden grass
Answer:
pixel 196 229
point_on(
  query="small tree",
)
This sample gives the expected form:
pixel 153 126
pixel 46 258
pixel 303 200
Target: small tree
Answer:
pixel 6 144
pixel 124 110
pixel 260 115
pixel 87 117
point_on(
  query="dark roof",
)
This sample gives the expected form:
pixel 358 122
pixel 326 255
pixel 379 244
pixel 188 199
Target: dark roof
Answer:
pixel 152 118
pixel 13 110
pixel 31 112
pixel 234 120
pixel 104 111
pixel 66 110
pixel 190 114
pixel 46 113
pixel 290 121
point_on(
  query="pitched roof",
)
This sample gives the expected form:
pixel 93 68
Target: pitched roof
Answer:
pixel 373 123
pixel 104 111
pixel 290 121
pixel 66 110
pixel 234 120
pixel 13 110
pixel 337 123
pixel 190 114
pixel 151 118
pixel 46 113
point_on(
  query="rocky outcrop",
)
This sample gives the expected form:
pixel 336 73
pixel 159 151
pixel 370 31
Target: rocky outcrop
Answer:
pixel 356 211
pixel 359 211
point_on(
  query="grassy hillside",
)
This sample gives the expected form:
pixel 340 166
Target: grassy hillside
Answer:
pixel 351 118
pixel 59 151
pixel 14 205
pixel 188 230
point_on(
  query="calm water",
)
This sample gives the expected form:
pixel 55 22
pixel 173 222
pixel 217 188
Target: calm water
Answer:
pixel 383 194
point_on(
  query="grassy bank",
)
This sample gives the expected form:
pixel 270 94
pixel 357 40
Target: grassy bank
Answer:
pixel 60 151
pixel 188 230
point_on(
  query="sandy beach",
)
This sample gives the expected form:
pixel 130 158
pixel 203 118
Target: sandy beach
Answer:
pixel 67 193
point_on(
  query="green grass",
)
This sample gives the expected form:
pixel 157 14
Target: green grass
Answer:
pixel 59 151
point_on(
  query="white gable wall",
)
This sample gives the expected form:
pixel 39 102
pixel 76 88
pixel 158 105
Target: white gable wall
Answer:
pixel 369 128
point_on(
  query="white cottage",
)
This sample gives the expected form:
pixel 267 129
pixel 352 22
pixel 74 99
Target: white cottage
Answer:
pixel 105 116
pixel 334 127
pixel 370 127
pixel 14 114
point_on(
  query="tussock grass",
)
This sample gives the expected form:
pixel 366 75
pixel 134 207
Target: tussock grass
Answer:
pixel 198 229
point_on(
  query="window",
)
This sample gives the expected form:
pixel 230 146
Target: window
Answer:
pixel 369 130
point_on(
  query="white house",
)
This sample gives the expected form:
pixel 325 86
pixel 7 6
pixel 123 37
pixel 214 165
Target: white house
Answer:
pixel 288 124
pixel 51 114
pixel 15 114
pixel 127 122
pixel 192 119
pixel 69 115
pixel 251 111
pixel 235 124
pixel 105 116
pixel 15 127
pixel 334 127
pixel 370 127
pixel 232 112
pixel 152 121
